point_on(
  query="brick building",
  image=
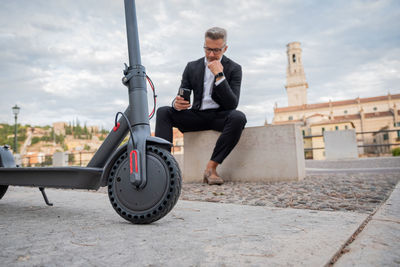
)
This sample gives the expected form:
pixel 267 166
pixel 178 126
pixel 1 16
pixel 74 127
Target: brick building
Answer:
pixel 378 114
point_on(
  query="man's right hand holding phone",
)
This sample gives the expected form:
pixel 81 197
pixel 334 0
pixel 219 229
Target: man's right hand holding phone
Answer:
pixel 180 103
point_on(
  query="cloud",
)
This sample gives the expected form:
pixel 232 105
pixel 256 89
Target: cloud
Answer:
pixel 366 81
pixel 62 60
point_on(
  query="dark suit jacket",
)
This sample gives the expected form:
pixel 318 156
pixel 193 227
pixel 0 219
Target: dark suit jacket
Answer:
pixel 226 94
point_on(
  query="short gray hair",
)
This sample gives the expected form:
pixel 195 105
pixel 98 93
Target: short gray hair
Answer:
pixel 216 33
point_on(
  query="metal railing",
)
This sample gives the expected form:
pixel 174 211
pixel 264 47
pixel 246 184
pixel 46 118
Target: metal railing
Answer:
pixel 359 146
pixel 81 158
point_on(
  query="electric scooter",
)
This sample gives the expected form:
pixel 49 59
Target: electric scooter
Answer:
pixel 143 178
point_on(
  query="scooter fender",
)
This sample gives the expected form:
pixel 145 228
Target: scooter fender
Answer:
pixel 6 157
pixel 150 140
pixel 157 141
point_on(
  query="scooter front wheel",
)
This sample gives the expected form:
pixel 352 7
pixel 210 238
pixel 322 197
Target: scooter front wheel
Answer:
pixel 157 198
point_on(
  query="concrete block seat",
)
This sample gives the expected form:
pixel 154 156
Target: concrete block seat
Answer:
pixel 264 154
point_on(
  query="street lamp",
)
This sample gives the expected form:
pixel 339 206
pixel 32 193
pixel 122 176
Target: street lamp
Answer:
pixel 15 110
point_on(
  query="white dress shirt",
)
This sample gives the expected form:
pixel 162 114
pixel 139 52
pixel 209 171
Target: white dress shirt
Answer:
pixel 207 102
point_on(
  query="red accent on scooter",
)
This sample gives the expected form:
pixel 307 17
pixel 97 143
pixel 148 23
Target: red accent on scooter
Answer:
pixel 116 127
pixel 130 161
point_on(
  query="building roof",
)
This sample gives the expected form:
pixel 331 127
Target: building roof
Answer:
pixel 287 122
pixel 378 114
pixel 337 103
pixel 316 115
pixel 347 117
pixel 335 121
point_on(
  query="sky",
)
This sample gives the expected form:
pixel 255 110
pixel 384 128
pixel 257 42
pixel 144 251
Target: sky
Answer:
pixel 63 60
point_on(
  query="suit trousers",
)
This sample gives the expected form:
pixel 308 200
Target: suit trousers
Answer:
pixel 229 122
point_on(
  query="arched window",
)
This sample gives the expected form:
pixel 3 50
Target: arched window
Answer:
pixel 294 58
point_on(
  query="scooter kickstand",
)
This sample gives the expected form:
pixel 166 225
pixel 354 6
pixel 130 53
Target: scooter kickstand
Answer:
pixel 45 196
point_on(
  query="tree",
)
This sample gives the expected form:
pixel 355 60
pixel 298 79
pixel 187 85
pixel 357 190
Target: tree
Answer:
pixel 68 130
pixel 60 139
pixel 48 161
pixel 35 140
pixel 71 159
pixel 396 152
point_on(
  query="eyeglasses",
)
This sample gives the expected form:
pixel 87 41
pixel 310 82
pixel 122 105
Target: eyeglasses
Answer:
pixel 214 50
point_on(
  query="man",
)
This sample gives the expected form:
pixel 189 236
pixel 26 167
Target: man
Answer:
pixel 215 81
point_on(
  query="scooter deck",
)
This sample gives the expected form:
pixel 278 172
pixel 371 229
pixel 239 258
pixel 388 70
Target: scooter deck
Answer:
pixel 56 177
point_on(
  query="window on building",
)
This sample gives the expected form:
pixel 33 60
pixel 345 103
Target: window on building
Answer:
pixel 294 58
pixel 336 128
pixel 374 140
pixel 398 134
pixel 290 118
pixel 323 129
pixel 386 136
pixel 375 108
pixel 345 112
pixel 346 127
pixel 304 133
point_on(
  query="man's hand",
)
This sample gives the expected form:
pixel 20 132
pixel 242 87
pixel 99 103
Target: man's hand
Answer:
pixel 216 67
pixel 180 103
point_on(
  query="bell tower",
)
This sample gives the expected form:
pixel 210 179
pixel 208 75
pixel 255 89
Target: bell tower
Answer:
pixel 296 84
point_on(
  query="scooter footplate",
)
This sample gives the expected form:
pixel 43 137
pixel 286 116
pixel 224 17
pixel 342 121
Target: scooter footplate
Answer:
pixel 56 177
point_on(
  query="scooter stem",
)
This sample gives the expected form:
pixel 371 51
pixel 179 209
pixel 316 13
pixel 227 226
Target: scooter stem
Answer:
pixel 138 112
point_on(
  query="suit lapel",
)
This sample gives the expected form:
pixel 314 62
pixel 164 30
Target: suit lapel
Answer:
pixel 224 62
pixel 200 78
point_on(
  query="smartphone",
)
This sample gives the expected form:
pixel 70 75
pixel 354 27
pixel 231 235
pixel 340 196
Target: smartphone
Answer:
pixel 185 93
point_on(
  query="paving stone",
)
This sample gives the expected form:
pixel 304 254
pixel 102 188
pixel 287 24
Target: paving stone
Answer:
pixel 362 192
pixel 379 242
pixel 82 229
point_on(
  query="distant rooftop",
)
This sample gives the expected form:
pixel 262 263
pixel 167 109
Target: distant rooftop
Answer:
pixel 337 103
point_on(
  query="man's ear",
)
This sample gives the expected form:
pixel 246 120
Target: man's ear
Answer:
pixel 225 48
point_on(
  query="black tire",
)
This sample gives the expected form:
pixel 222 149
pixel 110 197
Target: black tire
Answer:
pixel 3 189
pixel 157 198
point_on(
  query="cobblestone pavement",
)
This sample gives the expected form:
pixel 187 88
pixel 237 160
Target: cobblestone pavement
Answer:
pixel 361 192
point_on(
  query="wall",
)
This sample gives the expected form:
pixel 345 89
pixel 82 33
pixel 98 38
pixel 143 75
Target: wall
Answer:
pixel 340 144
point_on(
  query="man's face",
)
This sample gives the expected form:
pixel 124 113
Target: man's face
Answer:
pixel 214 49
